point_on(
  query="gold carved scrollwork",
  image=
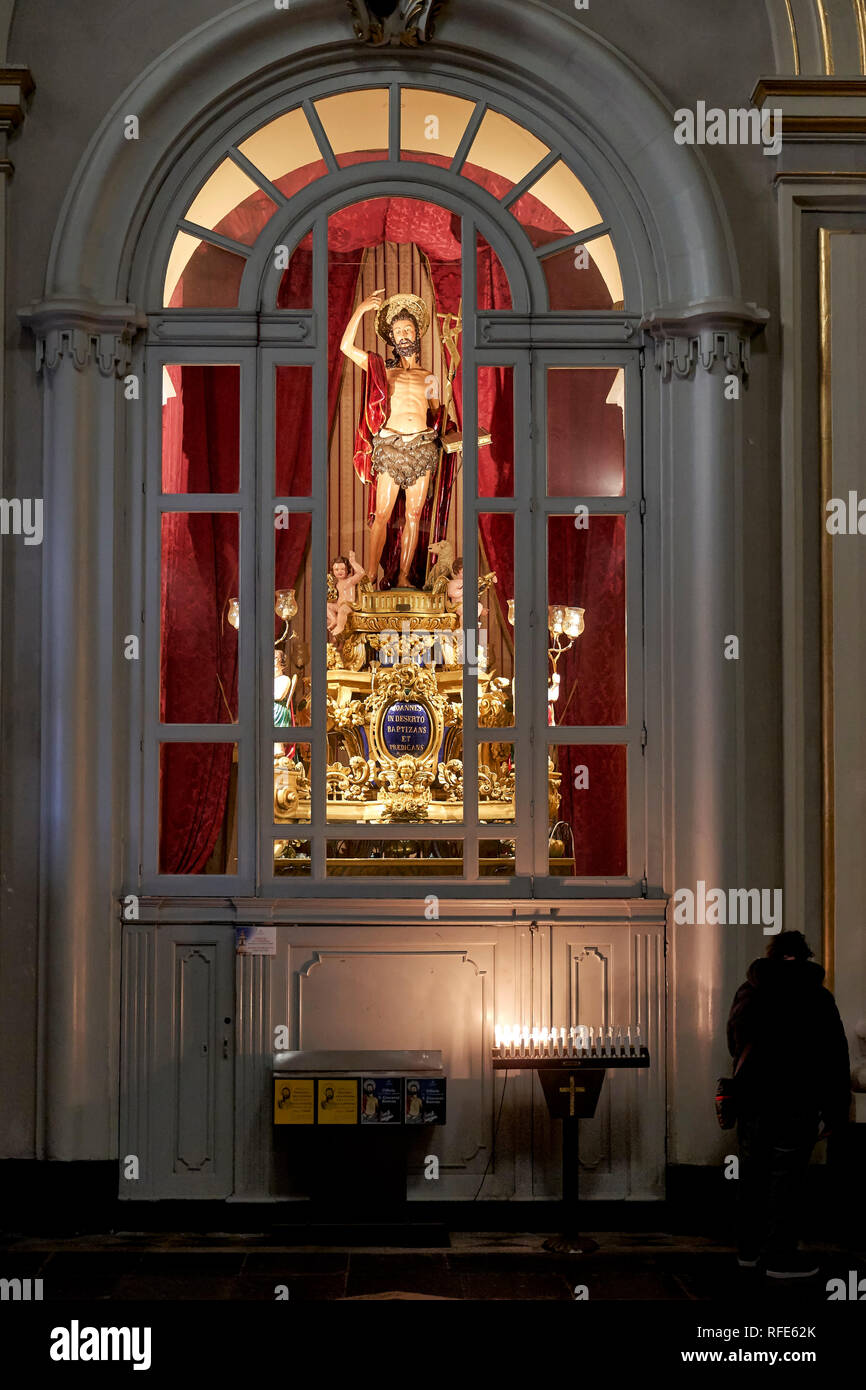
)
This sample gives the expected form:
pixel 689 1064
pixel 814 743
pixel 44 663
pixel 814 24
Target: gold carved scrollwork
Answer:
pixel 493 709
pixel 344 717
pixel 350 780
pixel 495 787
pixel 451 778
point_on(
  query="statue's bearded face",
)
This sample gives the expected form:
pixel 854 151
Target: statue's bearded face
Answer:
pixel 404 334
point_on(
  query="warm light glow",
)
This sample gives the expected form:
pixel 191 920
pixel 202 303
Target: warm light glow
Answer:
pixel 562 191
pixel 518 1040
pixel 567 621
pixel 505 148
pixel 227 186
pixel 355 120
pixel 285 604
pixel 420 133
pixel 282 146
pixel 182 251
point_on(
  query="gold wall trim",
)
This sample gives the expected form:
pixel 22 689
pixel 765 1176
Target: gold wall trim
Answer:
pixel 808 86
pixel 860 17
pixel 824 125
pixel 826 37
pixel 828 779
pixel 836 175
pixel 794 41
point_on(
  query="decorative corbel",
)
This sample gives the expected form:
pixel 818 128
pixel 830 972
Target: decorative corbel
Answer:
pixel 704 333
pixel 99 335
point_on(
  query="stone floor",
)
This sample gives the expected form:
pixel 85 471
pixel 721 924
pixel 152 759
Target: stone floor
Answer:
pixel 646 1267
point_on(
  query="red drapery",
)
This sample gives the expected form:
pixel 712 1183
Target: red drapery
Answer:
pixel 199 650
pixel 195 778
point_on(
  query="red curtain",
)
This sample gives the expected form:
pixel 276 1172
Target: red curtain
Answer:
pixel 586 569
pixel 199 650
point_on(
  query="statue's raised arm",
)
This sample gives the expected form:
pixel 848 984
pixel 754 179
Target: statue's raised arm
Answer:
pixel 348 346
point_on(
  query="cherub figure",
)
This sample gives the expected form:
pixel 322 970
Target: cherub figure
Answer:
pixel 342 586
pixel 454 590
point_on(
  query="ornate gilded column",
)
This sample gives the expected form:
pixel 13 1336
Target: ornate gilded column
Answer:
pixel 702 355
pixel 82 350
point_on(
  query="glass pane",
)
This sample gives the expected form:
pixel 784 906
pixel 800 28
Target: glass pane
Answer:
pixel 395 858
pixel 291 760
pixel 198 832
pixel 563 193
pixel 293 628
pixel 394 655
pixel 293 408
pixel 496 427
pixel 292 858
pixel 584 277
pixel 496 783
pixel 494 291
pixel 587 585
pixel 231 204
pixel 585 431
pixel 296 286
pixel 356 124
pixel 199 607
pixel 589 810
pixel 432 124
pixel 496 620
pixel 282 146
pixel 202 276
pixel 502 148
pixel 200 427
pixel 496 858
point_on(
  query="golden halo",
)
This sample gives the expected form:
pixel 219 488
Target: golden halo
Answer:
pixel 395 305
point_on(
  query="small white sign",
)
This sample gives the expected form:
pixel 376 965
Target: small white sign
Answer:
pixel 256 941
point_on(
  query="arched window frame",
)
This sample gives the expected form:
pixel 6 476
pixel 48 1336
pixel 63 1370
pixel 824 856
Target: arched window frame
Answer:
pixel 530 337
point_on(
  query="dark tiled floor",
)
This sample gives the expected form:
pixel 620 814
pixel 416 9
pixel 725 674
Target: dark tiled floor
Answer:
pixel 656 1267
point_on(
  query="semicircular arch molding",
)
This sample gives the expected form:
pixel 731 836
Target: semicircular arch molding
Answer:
pixel 604 117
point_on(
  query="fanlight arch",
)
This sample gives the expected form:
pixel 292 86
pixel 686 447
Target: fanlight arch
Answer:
pixel 268 175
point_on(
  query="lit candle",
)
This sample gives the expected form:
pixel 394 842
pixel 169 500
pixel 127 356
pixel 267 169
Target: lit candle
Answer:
pixel 544 1038
pixel 637 1040
pixel 497 1038
pixel 534 1042
pixel 571 1042
pixel 562 1042
pixel 591 1038
pixel 630 1043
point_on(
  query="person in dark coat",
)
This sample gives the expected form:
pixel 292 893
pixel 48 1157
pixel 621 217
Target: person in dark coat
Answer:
pixel 792 1076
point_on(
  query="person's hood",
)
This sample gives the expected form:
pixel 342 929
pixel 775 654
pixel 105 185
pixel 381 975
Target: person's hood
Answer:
pixel 798 975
